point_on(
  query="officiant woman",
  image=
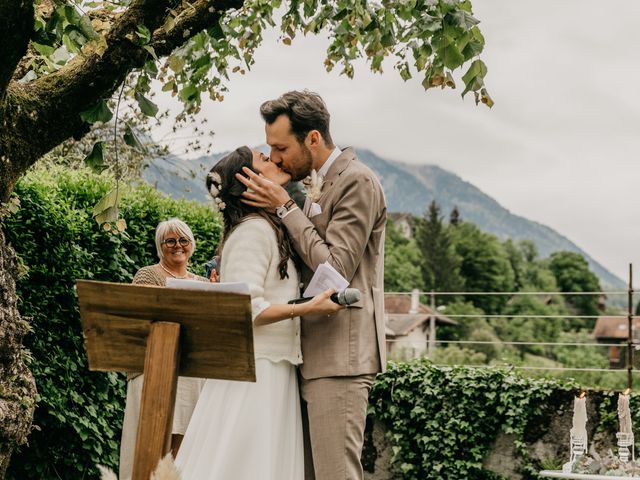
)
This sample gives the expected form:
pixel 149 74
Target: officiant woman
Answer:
pixel 174 244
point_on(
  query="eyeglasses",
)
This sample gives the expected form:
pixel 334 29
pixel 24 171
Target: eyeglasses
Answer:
pixel 172 242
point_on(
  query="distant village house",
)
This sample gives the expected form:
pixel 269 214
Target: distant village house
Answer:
pixel 614 330
pixel 408 325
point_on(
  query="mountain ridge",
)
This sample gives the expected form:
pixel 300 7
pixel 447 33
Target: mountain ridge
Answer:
pixel 409 188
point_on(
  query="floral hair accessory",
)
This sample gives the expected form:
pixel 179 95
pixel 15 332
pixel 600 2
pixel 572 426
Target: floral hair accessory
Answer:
pixel 215 188
pixel 313 186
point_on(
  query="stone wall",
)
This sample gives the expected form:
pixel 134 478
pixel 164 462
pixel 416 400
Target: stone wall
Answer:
pixel 547 441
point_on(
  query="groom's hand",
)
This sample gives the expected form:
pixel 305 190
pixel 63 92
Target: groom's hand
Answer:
pixel 262 192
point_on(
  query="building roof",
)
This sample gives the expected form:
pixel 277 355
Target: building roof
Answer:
pixel 397 216
pixel 401 322
pixel 614 327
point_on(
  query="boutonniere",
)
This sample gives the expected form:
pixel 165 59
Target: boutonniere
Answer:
pixel 313 186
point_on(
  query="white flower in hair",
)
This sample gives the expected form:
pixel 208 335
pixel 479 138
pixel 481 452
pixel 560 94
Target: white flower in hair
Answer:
pixel 214 189
pixel 219 203
pixel 215 177
pixel 313 186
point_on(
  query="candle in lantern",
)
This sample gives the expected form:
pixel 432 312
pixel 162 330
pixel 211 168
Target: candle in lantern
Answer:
pixel 579 425
pixel 578 433
pixel 624 414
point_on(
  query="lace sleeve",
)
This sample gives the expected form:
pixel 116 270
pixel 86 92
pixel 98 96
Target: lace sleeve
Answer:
pixel 148 276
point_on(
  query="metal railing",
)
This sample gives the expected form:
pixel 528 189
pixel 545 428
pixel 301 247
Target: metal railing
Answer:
pixel 432 341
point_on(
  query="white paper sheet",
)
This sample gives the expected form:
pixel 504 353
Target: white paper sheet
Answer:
pixel 324 278
pixel 231 287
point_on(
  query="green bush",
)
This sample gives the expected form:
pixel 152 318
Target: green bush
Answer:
pixel 442 422
pixel 79 414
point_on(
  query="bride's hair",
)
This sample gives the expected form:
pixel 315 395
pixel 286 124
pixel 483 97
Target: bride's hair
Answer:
pixel 222 184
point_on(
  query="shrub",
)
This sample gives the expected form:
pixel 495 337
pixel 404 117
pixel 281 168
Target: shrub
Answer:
pixel 78 419
pixel 442 421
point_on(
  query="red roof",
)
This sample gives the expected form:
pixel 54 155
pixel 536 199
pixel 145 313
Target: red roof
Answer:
pixel 614 327
pixel 401 322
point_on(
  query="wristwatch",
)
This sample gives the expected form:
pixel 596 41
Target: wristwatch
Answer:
pixel 282 210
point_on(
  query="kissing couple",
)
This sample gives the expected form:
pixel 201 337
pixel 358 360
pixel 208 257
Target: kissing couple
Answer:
pixel 304 418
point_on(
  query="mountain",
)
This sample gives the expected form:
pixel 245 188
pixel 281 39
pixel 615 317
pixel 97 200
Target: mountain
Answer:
pixel 408 188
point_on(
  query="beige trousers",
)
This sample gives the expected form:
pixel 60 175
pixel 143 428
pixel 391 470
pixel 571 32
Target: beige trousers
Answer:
pixel 334 413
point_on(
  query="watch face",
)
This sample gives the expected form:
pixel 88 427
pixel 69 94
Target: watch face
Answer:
pixel 280 211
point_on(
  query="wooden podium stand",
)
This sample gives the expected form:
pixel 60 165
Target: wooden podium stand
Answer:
pixel 164 332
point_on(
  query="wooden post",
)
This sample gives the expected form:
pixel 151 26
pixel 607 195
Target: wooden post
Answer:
pixel 432 327
pixel 630 336
pixel 158 398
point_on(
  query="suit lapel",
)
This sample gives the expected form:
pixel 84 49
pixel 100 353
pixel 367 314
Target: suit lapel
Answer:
pixel 337 167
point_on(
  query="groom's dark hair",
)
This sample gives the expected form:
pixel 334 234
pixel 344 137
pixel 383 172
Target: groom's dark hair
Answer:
pixel 306 111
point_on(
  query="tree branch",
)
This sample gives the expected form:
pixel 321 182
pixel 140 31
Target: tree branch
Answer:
pixel 16 25
pixel 51 105
pixel 202 14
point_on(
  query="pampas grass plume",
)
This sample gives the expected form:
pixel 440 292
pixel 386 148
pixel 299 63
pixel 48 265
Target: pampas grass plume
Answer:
pixel 166 469
pixel 106 473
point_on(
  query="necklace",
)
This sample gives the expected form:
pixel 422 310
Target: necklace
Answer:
pixel 171 273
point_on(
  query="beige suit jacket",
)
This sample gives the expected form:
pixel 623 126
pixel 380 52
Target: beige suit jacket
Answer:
pixel 349 234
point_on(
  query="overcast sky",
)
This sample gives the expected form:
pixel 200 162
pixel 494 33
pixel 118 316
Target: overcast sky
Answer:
pixel 561 145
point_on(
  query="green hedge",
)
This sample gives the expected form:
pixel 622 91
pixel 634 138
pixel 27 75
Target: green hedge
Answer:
pixel 79 413
pixel 442 422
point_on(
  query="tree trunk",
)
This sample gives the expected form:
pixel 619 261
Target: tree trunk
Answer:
pixel 17 386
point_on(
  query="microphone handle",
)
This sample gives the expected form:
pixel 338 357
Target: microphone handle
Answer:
pixel 299 300
pixel 334 299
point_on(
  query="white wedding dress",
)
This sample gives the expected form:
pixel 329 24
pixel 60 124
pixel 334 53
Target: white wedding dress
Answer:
pixel 244 430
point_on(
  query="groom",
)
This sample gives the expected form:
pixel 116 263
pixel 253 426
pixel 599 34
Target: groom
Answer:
pixel 344 226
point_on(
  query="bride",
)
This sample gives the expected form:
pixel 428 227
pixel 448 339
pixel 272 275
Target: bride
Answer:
pixel 241 430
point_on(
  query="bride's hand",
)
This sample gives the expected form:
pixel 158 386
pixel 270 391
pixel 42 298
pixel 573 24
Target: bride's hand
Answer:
pixel 322 304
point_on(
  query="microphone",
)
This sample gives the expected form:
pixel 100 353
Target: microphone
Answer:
pixel 346 297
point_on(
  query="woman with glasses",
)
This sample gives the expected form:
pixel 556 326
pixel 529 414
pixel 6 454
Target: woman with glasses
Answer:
pixel 174 244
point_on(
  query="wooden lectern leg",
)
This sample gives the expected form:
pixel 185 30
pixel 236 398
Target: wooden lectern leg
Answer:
pixel 158 398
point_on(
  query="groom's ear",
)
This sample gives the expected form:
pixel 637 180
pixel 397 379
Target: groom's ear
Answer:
pixel 314 138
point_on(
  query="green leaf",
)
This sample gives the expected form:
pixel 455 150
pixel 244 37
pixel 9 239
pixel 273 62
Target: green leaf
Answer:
pixel 188 93
pixel 169 86
pixel 85 26
pixel 150 49
pixel 452 56
pixel 95 160
pixel 474 78
pixel 71 15
pixel 131 139
pixel 100 112
pixel 150 66
pixel 73 40
pixel 464 20
pixel 169 24
pixel 45 50
pixel 176 63
pixel 106 210
pixel 387 40
pixel 144 35
pixel 477 68
pixel 405 74
pixel 475 45
pixel 147 107
pixel 341 14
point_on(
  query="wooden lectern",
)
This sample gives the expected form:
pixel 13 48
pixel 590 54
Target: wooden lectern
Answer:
pixel 164 332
